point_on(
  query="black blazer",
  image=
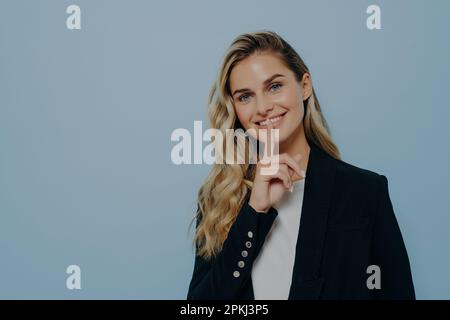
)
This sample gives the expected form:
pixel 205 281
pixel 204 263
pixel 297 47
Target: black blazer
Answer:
pixel 347 224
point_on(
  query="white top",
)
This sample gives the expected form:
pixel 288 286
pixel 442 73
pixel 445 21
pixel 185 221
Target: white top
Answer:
pixel 273 267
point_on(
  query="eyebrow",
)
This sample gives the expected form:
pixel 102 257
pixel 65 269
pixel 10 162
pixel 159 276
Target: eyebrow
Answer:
pixel 266 82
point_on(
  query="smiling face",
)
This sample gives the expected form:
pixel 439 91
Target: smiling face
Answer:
pixel 265 92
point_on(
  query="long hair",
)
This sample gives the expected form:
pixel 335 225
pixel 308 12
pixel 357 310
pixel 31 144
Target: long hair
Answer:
pixel 225 189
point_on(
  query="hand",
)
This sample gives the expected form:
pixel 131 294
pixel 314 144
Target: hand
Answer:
pixel 268 189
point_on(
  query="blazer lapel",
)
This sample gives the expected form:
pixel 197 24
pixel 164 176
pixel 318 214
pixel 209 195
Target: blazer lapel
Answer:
pixel 306 280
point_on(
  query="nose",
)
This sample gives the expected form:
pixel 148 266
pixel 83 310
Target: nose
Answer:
pixel 263 105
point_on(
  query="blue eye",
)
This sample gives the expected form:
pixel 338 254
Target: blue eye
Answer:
pixel 244 98
pixel 275 86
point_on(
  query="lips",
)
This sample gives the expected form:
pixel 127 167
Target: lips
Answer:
pixel 271 121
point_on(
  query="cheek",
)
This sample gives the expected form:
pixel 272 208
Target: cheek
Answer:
pixel 291 100
pixel 244 115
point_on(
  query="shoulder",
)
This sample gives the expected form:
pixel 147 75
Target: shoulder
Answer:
pixel 357 192
pixel 349 176
pixel 355 172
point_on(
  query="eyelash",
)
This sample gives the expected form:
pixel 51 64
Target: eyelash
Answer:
pixel 276 84
pixel 271 86
pixel 244 95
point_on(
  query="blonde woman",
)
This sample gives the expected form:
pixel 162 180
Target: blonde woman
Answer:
pixel 317 227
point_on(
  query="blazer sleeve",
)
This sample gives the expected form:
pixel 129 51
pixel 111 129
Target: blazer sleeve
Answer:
pixel 222 277
pixel 389 252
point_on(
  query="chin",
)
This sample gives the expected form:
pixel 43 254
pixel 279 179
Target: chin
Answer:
pixel 283 135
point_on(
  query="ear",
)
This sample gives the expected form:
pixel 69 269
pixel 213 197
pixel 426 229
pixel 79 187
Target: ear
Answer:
pixel 306 85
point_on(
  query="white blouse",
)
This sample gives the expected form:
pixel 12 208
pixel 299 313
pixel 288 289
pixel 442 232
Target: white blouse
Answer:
pixel 272 269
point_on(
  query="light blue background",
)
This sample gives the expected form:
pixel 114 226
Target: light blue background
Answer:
pixel 86 118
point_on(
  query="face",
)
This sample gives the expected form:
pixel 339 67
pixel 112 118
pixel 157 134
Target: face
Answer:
pixel 266 93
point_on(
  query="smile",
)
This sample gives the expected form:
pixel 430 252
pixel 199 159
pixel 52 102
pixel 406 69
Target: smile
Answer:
pixel 271 121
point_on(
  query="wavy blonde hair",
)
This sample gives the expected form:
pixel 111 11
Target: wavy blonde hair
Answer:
pixel 226 187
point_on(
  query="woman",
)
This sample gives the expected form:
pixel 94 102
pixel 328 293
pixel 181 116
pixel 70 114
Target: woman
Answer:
pixel 318 227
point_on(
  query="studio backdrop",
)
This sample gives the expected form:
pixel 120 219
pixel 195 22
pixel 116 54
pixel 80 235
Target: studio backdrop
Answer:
pixel 91 93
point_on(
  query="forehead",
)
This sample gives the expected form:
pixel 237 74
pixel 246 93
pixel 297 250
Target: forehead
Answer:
pixel 256 68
